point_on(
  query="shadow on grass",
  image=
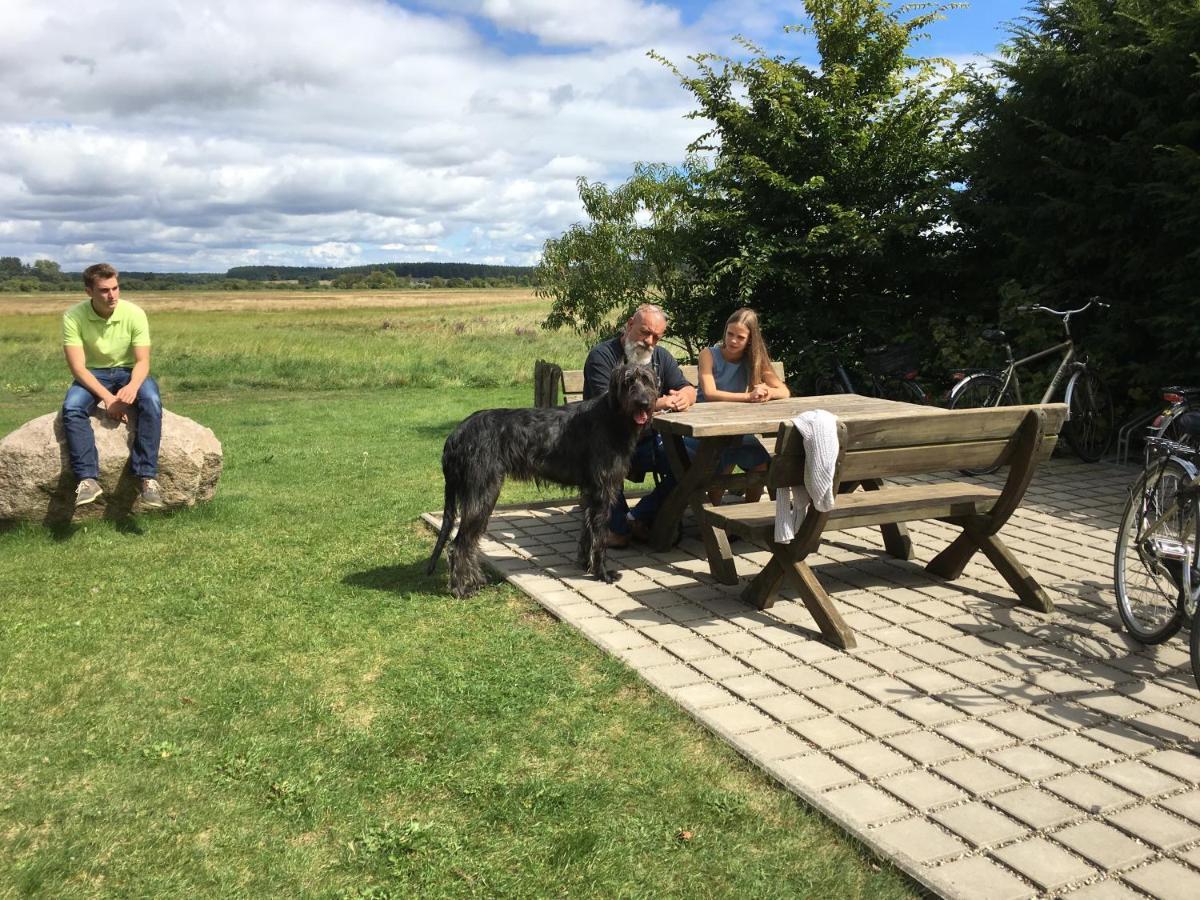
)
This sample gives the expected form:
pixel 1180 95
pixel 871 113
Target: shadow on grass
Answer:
pixel 402 579
pixel 436 429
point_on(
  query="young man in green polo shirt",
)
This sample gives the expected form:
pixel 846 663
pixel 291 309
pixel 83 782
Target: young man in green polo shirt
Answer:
pixel 107 344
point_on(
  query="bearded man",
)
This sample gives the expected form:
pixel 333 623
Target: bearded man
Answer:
pixel 638 343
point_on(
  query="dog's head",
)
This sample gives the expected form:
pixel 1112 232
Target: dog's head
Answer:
pixel 634 390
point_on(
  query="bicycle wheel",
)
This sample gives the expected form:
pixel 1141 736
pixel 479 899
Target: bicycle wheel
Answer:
pixel 976 391
pixel 1148 564
pixel 1089 424
pixel 1195 648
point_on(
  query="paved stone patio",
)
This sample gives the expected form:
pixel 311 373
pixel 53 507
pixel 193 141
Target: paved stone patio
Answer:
pixel 987 750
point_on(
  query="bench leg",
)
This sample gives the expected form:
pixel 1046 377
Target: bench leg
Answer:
pixel 820 606
pixel 895 535
pixel 949 564
pixel 720 557
pixel 1023 584
pixel 764 587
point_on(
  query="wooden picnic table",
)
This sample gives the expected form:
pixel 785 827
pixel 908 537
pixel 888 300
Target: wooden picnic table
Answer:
pixel 718 425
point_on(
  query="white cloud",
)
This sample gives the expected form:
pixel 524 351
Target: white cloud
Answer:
pixel 620 23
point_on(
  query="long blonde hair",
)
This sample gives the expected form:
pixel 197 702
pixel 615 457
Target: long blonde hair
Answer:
pixel 756 358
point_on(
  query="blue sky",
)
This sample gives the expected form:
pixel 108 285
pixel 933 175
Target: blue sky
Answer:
pixel 196 135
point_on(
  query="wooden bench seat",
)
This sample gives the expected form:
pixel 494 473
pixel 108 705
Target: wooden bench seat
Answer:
pixel 872 449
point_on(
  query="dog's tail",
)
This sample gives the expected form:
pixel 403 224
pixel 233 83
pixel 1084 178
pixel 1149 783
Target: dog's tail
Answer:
pixel 449 514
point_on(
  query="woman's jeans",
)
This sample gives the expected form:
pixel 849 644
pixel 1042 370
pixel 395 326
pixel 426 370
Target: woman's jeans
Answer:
pixel 81 442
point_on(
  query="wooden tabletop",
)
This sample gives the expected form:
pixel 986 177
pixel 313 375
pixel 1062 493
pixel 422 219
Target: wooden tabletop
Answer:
pixel 720 418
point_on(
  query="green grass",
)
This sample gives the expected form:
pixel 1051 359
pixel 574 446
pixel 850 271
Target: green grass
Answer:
pixel 266 696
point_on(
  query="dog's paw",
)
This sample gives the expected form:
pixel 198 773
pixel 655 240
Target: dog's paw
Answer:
pixel 608 576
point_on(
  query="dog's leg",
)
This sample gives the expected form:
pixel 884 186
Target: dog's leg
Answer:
pixel 466 575
pixel 593 537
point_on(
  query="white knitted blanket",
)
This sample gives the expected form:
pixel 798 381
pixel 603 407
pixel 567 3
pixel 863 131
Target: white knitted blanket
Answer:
pixel 818 431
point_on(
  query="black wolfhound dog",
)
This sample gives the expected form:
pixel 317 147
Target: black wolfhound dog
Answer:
pixel 585 445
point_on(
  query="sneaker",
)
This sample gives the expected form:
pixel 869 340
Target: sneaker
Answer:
pixel 151 495
pixel 88 491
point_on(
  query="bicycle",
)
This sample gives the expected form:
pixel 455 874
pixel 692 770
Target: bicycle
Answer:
pixel 1155 563
pixel 1089 425
pixel 890 373
pixel 1170 423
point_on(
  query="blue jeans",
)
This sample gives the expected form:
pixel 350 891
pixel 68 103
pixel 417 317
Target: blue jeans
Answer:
pixel 749 454
pixel 648 456
pixel 78 407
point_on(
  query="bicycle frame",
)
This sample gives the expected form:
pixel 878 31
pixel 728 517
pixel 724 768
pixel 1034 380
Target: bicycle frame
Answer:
pixel 1069 362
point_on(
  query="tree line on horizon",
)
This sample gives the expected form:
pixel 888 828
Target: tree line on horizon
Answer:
pixel 47 275
pixel 881 196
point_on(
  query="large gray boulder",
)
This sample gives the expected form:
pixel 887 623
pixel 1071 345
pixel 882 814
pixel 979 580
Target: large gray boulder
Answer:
pixel 36 482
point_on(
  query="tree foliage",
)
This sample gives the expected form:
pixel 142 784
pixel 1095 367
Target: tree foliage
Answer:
pixel 827 204
pixel 637 247
pixel 1085 177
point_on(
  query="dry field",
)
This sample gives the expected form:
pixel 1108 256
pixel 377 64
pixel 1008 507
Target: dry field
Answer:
pixel 275 301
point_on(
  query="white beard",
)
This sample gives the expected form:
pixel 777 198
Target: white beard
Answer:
pixel 638 354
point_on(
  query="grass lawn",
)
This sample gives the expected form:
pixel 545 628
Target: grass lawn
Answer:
pixel 267 696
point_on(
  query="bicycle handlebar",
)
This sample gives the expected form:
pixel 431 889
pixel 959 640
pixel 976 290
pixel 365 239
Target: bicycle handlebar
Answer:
pixel 1066 313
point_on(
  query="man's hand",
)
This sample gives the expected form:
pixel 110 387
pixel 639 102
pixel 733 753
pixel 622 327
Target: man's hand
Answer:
pixel 117 409
pixel 677 401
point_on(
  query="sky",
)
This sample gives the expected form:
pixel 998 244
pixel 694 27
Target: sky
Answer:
pixel 197 135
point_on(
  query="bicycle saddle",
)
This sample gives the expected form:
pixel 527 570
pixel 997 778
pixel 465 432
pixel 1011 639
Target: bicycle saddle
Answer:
pixel 994 336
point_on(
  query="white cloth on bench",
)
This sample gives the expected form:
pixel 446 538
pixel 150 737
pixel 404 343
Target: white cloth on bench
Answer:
pixel 818 430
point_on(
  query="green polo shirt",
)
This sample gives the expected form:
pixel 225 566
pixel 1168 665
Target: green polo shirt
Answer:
pixel 107 343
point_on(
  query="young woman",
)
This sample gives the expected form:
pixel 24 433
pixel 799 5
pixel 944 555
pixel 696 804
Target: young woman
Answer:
pixel 739 369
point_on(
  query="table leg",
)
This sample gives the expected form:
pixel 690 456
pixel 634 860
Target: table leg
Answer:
pixel 895 534
pixel 691 477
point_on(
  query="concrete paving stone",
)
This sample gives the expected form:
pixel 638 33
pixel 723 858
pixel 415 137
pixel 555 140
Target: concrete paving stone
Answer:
pixel 1109 889
pixel 838 697
pixel 970 645
pixel 646 657
pixel 766 660
pixel 697 618
pixel 932 630
pixel 858 621
pixel 1121 737
pixel 866 804
pixel 846 668
pixel 1153 694
pixel 1155 826
pixel 974 701
pixel 1062 683
pixel 1103 845
pixel 978 777
pixel 1089 792
pixel 771 743
pixel 827 732
pixel 873 759
pixel 704 694
pixel 891 660
pixel 979 823
pixel 1166 726
pixel 877 721
pixel 972 671
pixel 922 790
pixel 1192 856
pixel 695 649
pixel 1139 778
pixel 1045 864
pixel 1024 725
pixel 672 676
pixel 1112 704
pixel 930 680
pixel 737 718
pixel 1010 638
pixel 919 839
pixel 642 618
pixel 1190 712
pixel 898 614
pixel 719 668
pixel 1180 764
pixel 934 654
pixel 618 604
pixel 800 678
pixel 925 747
pixel 1014 664
pixel 975 735
pixel 1028 762
pixel 788 707
pixel 1186 805
pixel 928 711
pixel 815 772
pixel 1166 880
pixel 1035 807
pixel 625 639
pixel 979 878
pixel 813 651
pixel 885 689
pixel 751 687
pixel 735 641
pixel 1069 714
pixel 936 609
pixel 896 636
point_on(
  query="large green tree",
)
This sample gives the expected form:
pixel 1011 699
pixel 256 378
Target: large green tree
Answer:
pixel 826 206
pixel 1085 178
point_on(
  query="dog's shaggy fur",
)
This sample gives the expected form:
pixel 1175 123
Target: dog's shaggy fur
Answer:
pixel 586 445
